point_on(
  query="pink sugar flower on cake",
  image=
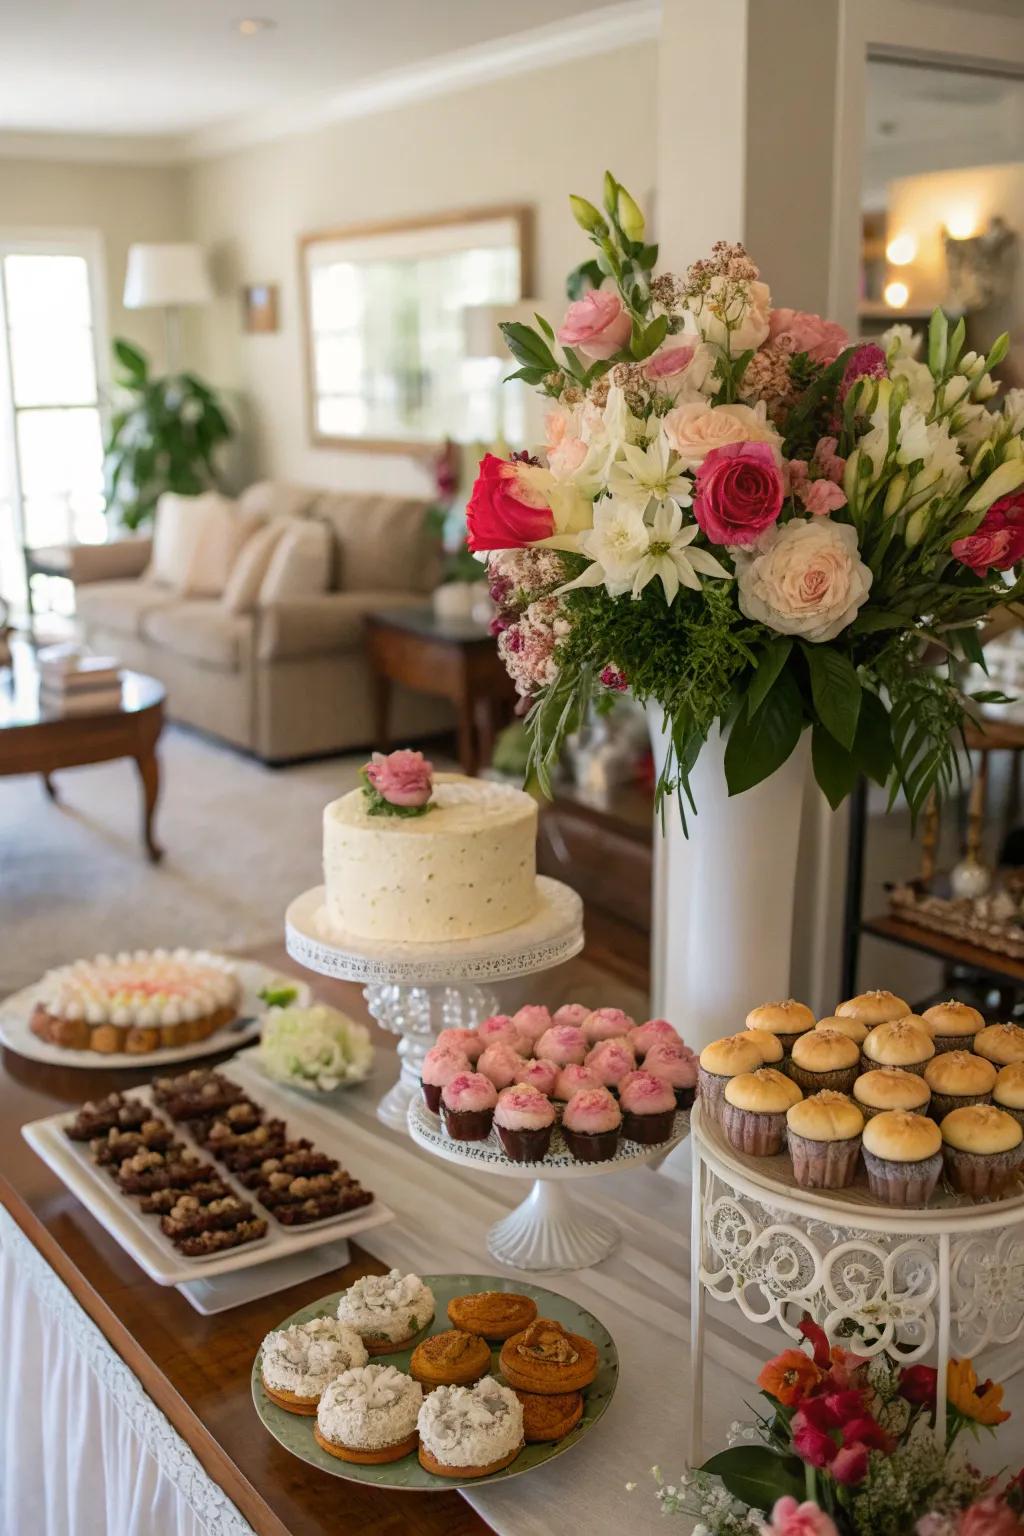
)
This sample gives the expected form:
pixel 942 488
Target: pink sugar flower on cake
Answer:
pixel 571 1013
pixel 562 1043
pixel 501 1028
pixel 677 1065
pixel 467 1105
pixel 440 1065
pixel 590 1125
pixel 531 1021
pixel 462 1040
pixel 606 1024
pixel 572 1079
pixel 648 1107
pixel 539 1074
pixel 524 1119
pixel 610 1060
pixel 401 778
pixel 500 1063
pixel 654 1032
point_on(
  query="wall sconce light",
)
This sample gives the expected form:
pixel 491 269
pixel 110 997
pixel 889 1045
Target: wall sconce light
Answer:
pixel 901 250
pixel 961 223
pixel 896 295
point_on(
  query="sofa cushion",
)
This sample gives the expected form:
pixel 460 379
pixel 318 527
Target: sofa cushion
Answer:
pixel 225 529
pixel 277 498
pixel 177 533
pixel 202 631
pixel 384 543
pixel 314 626
pixel 120 606
pixel 300 565
pixel 242 591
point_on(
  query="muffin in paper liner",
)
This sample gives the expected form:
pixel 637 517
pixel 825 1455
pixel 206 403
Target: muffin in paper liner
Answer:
pixel 942 1103
pixel 943 1043
pixel 823 1164
pixel 756 1134
pixel 711 1093
pixel 903 1184
pixel 982 1175
pixel 840 1080
pixel 869 1111
pixel 1018 1114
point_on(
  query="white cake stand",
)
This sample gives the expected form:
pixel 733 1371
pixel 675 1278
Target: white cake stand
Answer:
pixel 549 1230
pixel 415 990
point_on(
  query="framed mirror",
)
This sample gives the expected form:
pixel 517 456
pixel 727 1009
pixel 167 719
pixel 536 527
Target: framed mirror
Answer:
pixel 391 362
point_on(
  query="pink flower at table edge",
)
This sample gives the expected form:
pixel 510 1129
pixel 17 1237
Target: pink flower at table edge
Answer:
pixel 597 325
pixel 401 778
pixel 738 493
pixel 998 541
pixel 504 510
pixel 792 1519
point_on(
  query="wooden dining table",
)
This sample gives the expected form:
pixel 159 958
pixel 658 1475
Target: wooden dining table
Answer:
pixel 195 1368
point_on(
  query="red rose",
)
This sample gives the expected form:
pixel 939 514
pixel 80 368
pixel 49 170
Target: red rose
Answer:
pixel 998 540
pixel 850 1465
pixel 918 1384
pixel 867 1431
pixel 503 511
pixel 738 493
pixel 811 1444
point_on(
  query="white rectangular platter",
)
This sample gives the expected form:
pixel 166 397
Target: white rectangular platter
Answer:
pixel 140 1235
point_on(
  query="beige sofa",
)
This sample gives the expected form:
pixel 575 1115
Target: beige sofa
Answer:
pixel 288 679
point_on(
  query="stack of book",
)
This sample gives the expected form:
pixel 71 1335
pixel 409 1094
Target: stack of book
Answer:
pixel 72 683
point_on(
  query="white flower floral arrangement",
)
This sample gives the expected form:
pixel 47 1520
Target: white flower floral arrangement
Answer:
pixel 746 520
pixel 317 1047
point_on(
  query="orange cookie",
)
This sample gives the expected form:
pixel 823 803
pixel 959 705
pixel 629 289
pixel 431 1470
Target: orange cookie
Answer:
pixel 292 1401
pixel 492 1314
pixel 547 1358
pixel 550 1416
pixel 367 1458
pixel 450 1359
pixel 440 1470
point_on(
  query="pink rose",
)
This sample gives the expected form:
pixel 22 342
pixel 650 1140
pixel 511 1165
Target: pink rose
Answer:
pixel 669 362
pixel 850 1465
pixel 401 778
pixel 738 493
pixel 991 1517
pixel 998 540
pixel 596 325
pixel 810 1443
pixel 565 459
pixel 796 331
pixel 505 511
pixel 821 496
pixel 792 1519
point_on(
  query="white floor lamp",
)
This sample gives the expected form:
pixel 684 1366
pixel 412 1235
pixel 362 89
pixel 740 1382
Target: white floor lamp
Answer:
pixel 167 277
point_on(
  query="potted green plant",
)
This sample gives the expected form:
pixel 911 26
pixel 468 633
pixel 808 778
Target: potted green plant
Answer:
pixel 164 436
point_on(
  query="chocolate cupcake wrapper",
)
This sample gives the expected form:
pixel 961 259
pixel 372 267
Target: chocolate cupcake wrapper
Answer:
pixel 867 1064
pixel 685 1097
pixel 648 1129
pixel 591 1146
pixel 525 1146
pixel 432 1096
pixel 468 1124
pixel 942 1103
pixel 755 1134
pixel 902 1184
pixel 823 1164
pixel 869 1111
pixel 982 1175
pixel 944 1043
pixel 1018 1114
pixel 841 1080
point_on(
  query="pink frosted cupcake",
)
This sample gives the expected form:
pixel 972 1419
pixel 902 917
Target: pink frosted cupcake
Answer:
pixel 563 1043
pixel 532 1021
pixel 606 1024
pixel 648 1107
pixel 610 1061
pixel 440 1065
pixel 573 1079
pixel 467 1104
pixel 524 1119
pixel 571 1013
pixel 677 1065
pixel 500 1063
pixel 654 1032
pixel 500 1029
pixel 539 1074
pixel 466 1040
pixel 590 1125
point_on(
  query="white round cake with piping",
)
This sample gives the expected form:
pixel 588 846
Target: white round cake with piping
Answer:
pixel 463 869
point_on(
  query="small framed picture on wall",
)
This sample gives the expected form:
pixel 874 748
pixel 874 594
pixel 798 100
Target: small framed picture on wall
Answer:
pixel 259 307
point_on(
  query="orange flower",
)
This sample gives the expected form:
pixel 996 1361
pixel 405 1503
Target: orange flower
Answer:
pixel 980 1403
pixel 789 1377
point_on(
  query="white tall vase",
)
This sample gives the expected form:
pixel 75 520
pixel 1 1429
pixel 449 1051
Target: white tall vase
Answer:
pixel 722 922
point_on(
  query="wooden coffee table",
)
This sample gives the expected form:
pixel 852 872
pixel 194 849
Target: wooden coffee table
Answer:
pixel 33 740
pixel 450 658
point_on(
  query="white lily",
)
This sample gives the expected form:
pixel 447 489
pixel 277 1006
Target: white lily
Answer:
pixel 616 544
pixel 671 558
pixel 654 472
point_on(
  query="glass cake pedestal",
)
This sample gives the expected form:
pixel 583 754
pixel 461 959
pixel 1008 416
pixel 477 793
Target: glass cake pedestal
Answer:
pixel 416 990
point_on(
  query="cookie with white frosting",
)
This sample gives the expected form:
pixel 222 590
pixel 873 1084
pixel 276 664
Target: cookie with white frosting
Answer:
pixel 296 1363
pixel 470 1431
pixel 368 1415
pixel 387 1311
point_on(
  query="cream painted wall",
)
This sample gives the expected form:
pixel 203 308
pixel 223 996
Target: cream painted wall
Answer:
pixel 121 203
pixel 530 139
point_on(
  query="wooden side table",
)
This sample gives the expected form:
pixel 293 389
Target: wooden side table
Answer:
pixel 450 659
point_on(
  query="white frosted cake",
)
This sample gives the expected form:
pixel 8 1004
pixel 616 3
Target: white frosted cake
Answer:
pixel 464 869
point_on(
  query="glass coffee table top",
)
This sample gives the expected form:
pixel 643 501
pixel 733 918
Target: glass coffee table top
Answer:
pixel 19 695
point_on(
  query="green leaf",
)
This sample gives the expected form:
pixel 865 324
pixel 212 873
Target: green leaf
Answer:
pixel 872 745
pixel 527 347
pixel 970 645
pixel 956 342
pixel 771 662
pixel 870 620
pixel 545 326
pixel 647 340
pixel 834 767
pixel 583 279
pixel 997 351
pixel 758 746
pixel 938 338
pixel 992 696
pixel 130 358
pixel 836 690
pixel 757 1475
pixel 646 257
pixel 528 375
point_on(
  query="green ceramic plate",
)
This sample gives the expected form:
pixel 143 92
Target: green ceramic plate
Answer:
pixel 296 1433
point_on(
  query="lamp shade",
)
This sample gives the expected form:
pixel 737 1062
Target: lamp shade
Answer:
pixel 481 322
pixel 163 275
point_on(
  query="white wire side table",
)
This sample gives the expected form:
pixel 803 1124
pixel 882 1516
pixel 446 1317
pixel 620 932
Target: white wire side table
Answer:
pixel 416 990
pixel 943 1281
